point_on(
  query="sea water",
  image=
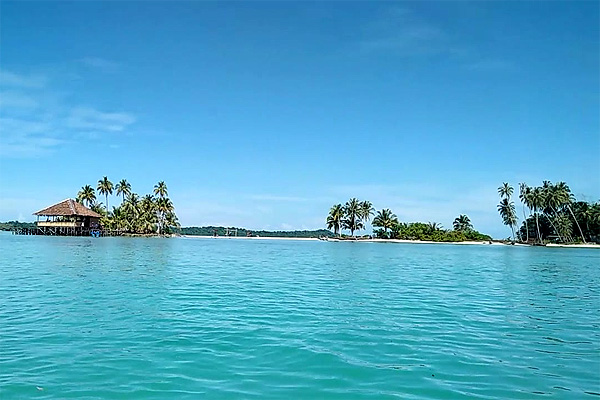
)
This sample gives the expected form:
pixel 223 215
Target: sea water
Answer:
pixel 191 318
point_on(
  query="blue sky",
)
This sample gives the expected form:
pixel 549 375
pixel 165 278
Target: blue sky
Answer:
pixel 263 115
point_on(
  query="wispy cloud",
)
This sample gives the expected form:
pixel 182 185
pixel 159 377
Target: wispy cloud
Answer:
pixel 403 32
pixel 15 99
pixel 490 65
pixel 36 118
pixel 87 118
pixel 26 138
pixel 100 63
pixel 12 79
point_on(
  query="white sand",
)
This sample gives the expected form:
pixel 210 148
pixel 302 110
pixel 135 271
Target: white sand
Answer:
pixel 578 246
pixel 485 243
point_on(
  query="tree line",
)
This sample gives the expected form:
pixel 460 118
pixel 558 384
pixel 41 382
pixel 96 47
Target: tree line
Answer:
pixel 355 214
pixel 550 212
pixel 243 232
pixel 152 213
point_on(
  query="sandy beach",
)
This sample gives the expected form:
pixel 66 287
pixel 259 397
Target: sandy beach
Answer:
pixel 481 243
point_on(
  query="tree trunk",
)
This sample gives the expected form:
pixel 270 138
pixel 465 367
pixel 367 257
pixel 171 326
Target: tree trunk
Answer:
pixel 526 225
pixel 537 225
pixel 583 238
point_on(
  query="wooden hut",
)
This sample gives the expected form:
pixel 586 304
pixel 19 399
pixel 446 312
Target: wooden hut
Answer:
pixel 67 218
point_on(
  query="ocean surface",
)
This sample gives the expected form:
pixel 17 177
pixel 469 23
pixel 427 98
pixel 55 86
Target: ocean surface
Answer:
pixel 191 318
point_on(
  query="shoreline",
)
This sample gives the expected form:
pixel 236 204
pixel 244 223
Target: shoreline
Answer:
pixel 465 243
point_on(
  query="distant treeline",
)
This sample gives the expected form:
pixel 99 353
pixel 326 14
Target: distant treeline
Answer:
pixel 223 231
pixel 10 225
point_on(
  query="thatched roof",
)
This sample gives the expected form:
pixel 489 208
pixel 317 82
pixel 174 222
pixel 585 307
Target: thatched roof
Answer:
pixel 69 208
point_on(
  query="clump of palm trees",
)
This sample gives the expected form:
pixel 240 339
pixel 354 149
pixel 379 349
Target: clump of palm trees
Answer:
pixel 152 213
pixel 355 214
pixel 552 210
pixel 352 216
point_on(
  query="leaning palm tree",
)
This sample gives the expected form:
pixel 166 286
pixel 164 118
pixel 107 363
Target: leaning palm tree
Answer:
pixel 523 193
pixel 508 214
pixel 86 194
pixel 567 200
pixel 160 189
pixel 352 214
pixel 334 219
pixel 462 223
pixel 123 188
pixel 385 219
pixel 105 187
pixel 505 191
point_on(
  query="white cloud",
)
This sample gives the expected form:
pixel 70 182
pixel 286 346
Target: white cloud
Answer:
pixel 14 99
pixel 401 31
pixel 87 118
pixel 100 63
pixel 26 138
pixel 8 78
pixel 36 119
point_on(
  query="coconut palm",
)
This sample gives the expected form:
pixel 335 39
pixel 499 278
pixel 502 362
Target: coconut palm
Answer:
pixel 164 206
pixel 505 190
pixel 385 219
pixel 508 214
pixel 334 219
pixel 123 188
pixel 160 189
pixel 434 226
pixel 523 192
pixel 563 226
pixel 566 200
pixel 86 194
pixel 352 216
pixel 105 187
pixel 462 223
pixel 536 201
pixel 366 211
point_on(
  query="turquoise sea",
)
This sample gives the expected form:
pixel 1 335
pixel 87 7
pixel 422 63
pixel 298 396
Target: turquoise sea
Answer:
pixel 191 318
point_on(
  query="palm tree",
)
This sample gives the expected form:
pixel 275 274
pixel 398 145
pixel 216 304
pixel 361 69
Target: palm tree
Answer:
pixel 385 219
pixel 462 223
pixel 505 190
pixel 86 194
pixel 123 188
pixel 105 187
pixel 334 219
pixel 536 201
pixel 434 226
pixel 352 213
pixel 366 211
pixel 563 226
pixel 160 189
pixel 508 214
pixel 164 206
pixel 566 200
pixel 523 193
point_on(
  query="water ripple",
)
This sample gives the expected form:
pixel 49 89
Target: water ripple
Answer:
pixel 199 318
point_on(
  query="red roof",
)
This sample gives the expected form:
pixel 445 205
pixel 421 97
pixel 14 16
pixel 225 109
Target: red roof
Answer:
pixel 68 207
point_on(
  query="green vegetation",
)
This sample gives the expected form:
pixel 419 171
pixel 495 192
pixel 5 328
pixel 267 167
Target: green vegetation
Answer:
pixel 354 215
pixel 11 225
pixel 147 215
pixel 553 214
pixel 231 231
